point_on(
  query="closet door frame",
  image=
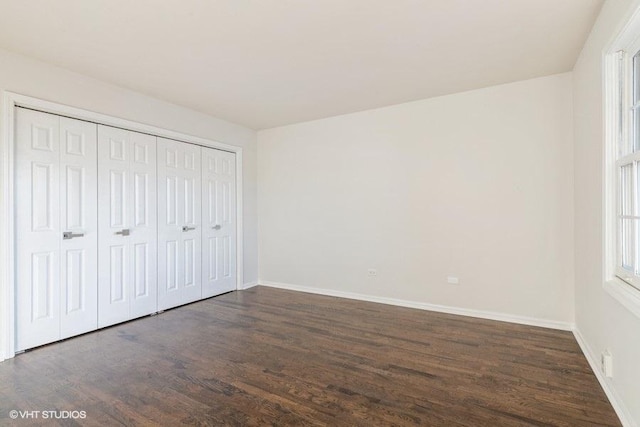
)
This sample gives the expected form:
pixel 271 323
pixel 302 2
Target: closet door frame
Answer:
pixel 10 101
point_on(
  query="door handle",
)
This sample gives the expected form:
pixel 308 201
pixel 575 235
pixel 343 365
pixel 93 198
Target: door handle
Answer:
pixel 217 227
pixel 123 232
pixel 66 235
pixel 187 228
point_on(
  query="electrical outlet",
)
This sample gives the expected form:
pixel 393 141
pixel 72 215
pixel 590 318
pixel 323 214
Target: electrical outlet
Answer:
pixel 606 364
pixel 453 280
pixel 372 272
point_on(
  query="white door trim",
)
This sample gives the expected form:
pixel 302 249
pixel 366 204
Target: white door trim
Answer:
pixel 7 215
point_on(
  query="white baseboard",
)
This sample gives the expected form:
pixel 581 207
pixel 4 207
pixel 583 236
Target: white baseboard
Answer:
pixel 618 406
pixel 523 320
pixel 248 285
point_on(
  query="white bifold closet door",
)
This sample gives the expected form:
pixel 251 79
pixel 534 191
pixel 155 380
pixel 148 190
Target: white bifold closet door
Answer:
pixel 127 225
pixel 179 223
pixel 218 222
pixel 56 228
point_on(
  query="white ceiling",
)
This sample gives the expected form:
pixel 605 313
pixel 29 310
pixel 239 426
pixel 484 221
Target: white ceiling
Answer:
pixel 265 63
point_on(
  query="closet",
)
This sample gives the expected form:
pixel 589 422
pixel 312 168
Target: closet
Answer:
pixel 113 224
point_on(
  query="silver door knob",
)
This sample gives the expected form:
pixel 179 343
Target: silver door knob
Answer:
pixel 187 228
pixel 70 235
pixel 123 232
pixel 217 227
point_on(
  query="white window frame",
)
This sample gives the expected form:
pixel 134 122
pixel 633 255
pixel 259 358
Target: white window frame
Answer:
pixel 621 283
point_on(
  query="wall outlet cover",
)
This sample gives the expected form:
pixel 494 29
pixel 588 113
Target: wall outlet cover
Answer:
pixel 453 280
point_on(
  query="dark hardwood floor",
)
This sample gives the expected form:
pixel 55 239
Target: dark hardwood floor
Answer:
pixel 273 357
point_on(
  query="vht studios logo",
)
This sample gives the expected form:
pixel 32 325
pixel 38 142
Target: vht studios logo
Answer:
pixel 51 415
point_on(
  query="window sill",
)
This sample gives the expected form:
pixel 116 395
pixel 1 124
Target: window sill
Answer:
pixel 625 294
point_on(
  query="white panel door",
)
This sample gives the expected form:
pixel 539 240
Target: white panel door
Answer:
pixel 218 222
pixel 78 216
pixel 55 196
pixel 128 225
pixel 179 223
pixel 38 231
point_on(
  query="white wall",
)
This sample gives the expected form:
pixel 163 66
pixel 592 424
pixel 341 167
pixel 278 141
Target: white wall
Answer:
pixel 477 185
pixel 601 320
pixel 33 78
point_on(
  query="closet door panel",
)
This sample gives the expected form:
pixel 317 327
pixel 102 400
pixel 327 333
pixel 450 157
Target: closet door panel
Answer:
pixel 128 226
pixel 38 228
pixel 192 229
pixel 219 227
pixel 79 255
pixel 190 242
pixel 115 205
pixel 179 218
pixel 169 225
pixel 144 220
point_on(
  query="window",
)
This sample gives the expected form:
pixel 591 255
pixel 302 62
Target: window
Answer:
pixel 626 168
pixel 622 187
